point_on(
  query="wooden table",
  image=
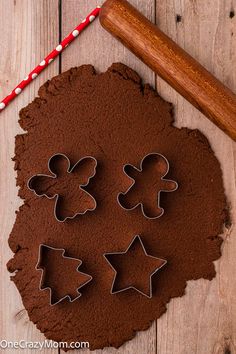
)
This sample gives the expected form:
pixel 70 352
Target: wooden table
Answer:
pixel 204 320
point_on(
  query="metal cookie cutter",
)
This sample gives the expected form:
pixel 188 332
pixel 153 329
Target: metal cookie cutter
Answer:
pixel 54 176
pixel 162 262
pixel 159 192
pixel 42 269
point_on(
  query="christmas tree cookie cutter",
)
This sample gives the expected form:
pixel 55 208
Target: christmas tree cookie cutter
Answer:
pixel 42 278
pixel 140 169
pixel 54 175
pixel 163 262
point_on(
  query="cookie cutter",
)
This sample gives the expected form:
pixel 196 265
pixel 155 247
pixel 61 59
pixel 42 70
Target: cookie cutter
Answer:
pixel 42 268
pixel 133 183
pixel 54 176
pixel 133 287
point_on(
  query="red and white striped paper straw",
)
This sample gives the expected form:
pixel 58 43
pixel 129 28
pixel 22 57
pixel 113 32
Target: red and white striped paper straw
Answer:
pixel 49 58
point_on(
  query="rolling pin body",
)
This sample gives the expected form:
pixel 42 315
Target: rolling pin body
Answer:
pixel 172 63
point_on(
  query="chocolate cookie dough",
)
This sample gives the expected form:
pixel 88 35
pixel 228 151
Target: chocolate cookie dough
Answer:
pixel 114 118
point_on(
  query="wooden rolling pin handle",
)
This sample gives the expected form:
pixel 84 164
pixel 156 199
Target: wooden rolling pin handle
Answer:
pixel 171 62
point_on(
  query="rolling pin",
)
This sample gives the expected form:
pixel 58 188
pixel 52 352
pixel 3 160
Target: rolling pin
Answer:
pixel 171 62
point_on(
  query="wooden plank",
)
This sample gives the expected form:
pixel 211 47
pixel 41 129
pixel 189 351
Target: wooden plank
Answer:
pixel 209 324
pixel 204 321
pixel 99 48
pixel 96 46
pixel 29 29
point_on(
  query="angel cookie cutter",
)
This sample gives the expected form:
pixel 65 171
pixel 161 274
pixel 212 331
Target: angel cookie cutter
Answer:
pixel 167 167
pixel 41 267
pixel 162 263
pixel 54 175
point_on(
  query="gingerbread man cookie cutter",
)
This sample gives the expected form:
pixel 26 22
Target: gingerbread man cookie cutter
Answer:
pixel 42 269
pixel 162 261
pixel 133 183
pixel 53 175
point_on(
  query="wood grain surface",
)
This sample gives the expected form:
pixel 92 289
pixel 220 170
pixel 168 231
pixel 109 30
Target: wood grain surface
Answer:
pixel 204 320
pixel 171 62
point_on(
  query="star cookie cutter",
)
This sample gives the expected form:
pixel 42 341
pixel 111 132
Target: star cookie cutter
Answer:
pixel 159 192
pixel 42 269
pixel 112 291
pixel 53 175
